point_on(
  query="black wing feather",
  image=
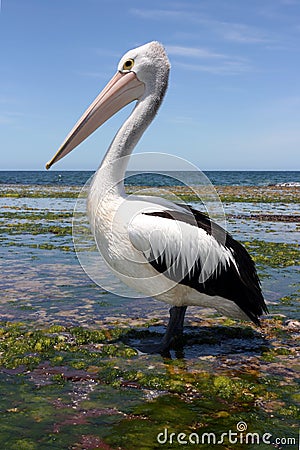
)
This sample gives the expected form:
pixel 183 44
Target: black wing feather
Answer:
pixel 241 286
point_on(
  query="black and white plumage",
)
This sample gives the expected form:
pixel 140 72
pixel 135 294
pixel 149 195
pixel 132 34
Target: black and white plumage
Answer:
pixel 165 250
pixel 234 277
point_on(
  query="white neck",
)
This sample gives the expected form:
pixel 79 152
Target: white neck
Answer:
pixel 109 178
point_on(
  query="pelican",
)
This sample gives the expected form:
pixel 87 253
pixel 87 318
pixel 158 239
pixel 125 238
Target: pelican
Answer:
pixel 168 251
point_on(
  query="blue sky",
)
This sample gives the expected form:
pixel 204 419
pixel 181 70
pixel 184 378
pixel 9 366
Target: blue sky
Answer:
pixel 234 95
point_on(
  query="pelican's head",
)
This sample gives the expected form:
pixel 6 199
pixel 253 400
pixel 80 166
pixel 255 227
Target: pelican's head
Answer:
pixel 149 63
pixel 141 72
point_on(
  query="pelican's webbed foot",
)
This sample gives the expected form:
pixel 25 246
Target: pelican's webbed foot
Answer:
pixel 172 335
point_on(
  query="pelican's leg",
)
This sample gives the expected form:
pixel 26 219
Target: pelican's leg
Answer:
pixel 175 326
pixel 174 330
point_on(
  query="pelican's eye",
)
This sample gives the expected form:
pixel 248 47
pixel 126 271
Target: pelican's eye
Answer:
pixel 128 65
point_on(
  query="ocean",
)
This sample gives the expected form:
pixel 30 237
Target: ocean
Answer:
pixel 218 178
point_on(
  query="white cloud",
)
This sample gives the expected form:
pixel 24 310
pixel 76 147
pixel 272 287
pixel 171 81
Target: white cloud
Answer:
pixel 193 52
pixel 225 68
pixel 243 34
pixel 231 31
pixel 9 117
pixel 219 64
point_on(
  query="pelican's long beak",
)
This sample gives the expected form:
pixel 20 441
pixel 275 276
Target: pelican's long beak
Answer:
pixel 122 89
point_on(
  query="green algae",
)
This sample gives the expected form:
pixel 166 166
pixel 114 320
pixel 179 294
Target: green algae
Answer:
pixel 251 194
pixel 36 192
pixel 290 299
pixel 228 194
pixel 20 347
pixel 71 382
pixel 35 228
pixel 27 214
pixel 41 245
pixel 273 254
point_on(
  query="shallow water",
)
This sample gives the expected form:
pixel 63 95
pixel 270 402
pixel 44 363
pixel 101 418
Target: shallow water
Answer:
pixel 22 265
